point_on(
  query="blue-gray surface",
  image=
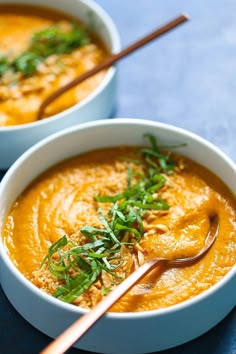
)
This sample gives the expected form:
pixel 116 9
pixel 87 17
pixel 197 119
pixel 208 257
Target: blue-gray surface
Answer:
pixel 186 78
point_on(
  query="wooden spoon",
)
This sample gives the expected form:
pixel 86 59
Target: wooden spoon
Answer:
pixel 112 59
pixel 64 341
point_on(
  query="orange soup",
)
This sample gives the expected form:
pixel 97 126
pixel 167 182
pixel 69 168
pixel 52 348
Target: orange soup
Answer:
pixel 87 223
pixel 40 51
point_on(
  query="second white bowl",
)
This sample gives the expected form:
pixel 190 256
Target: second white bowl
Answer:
pixel 14 140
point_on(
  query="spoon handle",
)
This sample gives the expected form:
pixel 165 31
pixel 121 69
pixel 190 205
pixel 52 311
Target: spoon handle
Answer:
pixel 65 340
pixel 112 59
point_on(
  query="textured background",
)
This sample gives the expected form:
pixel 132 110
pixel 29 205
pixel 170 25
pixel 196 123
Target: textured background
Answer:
pixel 186 78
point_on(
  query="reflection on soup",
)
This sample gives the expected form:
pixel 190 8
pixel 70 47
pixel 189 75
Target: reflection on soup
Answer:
pixel 40 51
pixel 87 223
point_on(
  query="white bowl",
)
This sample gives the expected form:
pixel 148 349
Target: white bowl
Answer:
pixel 115 332
pixel 14 140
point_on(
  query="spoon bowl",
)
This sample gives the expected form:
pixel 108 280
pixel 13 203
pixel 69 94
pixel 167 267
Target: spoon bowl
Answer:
pixel 79 328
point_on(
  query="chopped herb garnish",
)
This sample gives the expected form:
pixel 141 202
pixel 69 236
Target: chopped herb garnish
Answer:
pixel 79 266
pixel 54 40
pixel 49 41
pixel 26 63
pixel 4 65
pixel 105 290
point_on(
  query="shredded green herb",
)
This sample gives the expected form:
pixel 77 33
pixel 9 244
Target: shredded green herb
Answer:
pixel 4 65
pixel 49 41
pixel 79 266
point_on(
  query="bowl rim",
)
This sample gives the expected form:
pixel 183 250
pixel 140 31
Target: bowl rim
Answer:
pixel 115 47
pixel 113 315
